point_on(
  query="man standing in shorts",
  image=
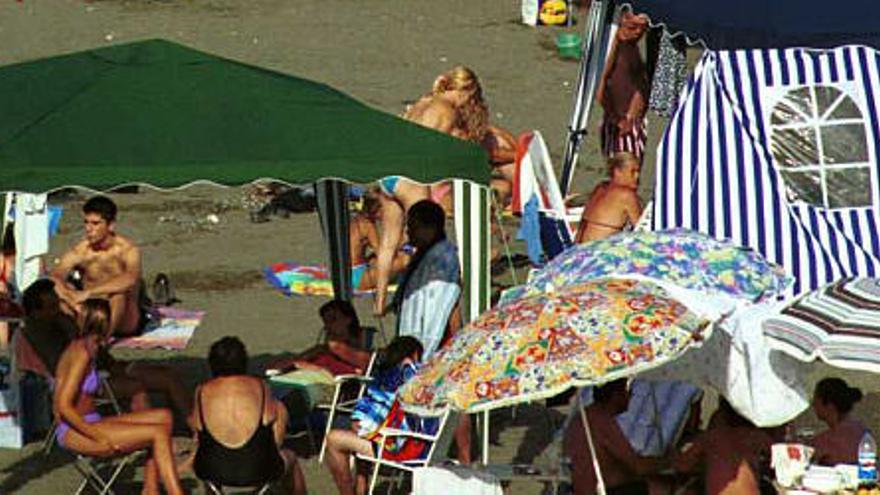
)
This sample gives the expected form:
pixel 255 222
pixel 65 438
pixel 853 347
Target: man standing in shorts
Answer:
pixel 110 267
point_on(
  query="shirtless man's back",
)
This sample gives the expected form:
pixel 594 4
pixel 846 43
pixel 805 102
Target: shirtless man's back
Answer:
pixel 110 265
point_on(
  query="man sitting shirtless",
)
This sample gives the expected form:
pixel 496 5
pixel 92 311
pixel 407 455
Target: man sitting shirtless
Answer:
pixel 614 204
pixel 110 265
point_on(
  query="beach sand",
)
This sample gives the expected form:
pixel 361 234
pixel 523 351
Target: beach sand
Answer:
pixel 385 53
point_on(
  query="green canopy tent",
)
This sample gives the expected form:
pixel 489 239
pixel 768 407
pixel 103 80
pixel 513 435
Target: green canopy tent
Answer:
pixel 159 113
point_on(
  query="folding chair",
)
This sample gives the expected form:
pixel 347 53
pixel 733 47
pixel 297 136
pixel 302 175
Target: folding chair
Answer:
pixel 341 405
pixel 217 489
pixel 91 467
pixel 438 448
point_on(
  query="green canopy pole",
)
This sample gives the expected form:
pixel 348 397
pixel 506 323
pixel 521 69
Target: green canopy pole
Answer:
pixel 332 196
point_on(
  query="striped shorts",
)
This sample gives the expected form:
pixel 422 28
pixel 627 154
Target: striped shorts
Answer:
pixel 612 140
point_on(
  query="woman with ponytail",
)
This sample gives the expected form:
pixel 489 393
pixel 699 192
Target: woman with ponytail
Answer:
pixel 833 401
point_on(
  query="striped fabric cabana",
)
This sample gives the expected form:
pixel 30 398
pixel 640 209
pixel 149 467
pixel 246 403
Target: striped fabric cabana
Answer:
pixel 778 150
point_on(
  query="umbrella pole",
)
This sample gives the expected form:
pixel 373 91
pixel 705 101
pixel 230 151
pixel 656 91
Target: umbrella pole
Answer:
pixel 600 482
pixel 486 437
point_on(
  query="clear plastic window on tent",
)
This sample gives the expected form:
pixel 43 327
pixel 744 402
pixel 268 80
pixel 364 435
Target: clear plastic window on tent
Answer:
pixel 818 139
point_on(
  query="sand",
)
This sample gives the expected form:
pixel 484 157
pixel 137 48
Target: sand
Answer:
pixel 383 52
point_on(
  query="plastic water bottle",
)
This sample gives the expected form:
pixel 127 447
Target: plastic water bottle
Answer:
pixel 867 459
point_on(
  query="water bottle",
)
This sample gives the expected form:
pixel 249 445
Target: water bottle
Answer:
pixel 867 459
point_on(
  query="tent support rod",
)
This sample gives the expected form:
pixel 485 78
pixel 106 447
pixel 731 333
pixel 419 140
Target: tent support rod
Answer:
pixel 332 196
pixel 595 47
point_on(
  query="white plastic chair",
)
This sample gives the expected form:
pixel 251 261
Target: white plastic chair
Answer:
pixel 438 447
pixel 344 406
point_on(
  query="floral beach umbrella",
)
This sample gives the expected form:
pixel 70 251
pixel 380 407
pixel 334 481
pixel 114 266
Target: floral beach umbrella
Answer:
pixel 839 324
pixel 541 345
pixel 682 258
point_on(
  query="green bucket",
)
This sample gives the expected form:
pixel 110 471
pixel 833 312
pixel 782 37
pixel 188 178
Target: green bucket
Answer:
pixel 569 45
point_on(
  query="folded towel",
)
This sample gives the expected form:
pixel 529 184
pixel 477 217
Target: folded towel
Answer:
pixel 174 330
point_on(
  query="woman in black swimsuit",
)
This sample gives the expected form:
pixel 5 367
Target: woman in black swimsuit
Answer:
pixel 240 427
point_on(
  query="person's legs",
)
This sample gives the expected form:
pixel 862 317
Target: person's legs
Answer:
pixel 130 432
pixel 463 439
pixel 126 387
pixel 340 445
pixel 294 481
pixel 392 218
pixel 125 315
pixel 151 477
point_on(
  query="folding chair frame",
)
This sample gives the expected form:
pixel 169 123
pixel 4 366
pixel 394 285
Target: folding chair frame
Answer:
pixel 217 489
pixel 347 406
pixel 89 470
pixel 437 452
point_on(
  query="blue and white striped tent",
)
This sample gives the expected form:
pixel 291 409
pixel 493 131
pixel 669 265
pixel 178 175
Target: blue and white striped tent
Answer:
pixel 777 149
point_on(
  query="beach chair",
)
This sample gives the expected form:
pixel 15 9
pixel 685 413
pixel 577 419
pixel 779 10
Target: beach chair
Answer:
pixel 215 489
pixel 535 180
pixel 438 447
pixel 91 469
pixel 342 405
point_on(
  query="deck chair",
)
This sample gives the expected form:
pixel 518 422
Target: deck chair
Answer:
pixel 342 405
pixel 535 180
pixel 438 448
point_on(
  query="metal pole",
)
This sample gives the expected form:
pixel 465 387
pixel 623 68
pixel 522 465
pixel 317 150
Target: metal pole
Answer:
pixel 596 33
pixel 332 196
pixel 486 437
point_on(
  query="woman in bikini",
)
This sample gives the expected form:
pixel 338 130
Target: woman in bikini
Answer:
pixel 614 204
pixel 454 106
pixel 81 429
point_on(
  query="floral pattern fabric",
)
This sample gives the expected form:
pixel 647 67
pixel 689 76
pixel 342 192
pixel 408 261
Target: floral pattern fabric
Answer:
pixel 540 345
pixel 684 258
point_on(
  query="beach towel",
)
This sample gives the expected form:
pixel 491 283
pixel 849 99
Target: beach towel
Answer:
pixel 309 280
pixel 174 330
pixel 430 291
pixel 317 385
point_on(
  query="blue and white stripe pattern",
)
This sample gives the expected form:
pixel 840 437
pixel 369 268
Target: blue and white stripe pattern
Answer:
pixel 715 170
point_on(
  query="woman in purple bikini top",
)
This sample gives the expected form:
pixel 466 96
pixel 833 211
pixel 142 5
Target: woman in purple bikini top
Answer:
pixel 82 430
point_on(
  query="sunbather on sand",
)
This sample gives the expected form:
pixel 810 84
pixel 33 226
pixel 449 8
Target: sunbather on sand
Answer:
pixel 614 204
pixel 110 266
